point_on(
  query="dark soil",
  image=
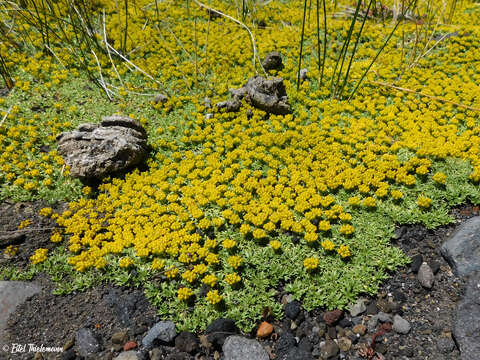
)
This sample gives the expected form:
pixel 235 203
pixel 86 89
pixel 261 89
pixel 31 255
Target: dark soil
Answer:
pixel 53 320
pixel 36 235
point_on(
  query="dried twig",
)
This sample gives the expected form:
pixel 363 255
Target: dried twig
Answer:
pixel 108 50
pixel 102 80
pixel 423 94
pixel 55 55
pixel 28 229
pixel 255 55
pixel 137 68
pixel 5 116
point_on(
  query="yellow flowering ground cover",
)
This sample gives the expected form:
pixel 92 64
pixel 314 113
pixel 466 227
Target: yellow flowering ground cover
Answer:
pixel 229 207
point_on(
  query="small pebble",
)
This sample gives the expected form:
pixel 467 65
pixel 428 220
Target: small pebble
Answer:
pixel 425 276
pixel 264 330
pixel 344 344
pixel 384 317
pixel 417 261
pixel 400 325
pixel 292 309
pixel 129 345
pixel 360 329
pixel 358 308
pixel 445 345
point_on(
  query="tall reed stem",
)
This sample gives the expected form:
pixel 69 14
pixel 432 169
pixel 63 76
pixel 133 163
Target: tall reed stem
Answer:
pixel 301 44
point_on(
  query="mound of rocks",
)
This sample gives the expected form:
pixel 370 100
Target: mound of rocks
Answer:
pixel 95 151
pixel 268 95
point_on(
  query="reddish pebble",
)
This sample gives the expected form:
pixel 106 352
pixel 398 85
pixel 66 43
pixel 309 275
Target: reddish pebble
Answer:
pixel 332 317
pixel 264 330
pixel 129 345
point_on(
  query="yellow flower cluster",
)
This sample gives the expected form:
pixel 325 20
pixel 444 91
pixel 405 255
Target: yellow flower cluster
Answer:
pixel 344 251
pixel 23 224
pixel 232 278
pixel 11 250
pixel 213 297
pixel 439 177
pixel 46 211
pixel 39 256
pixel 424 202
pixel 22 165
pixel 275 245
pixel 56 237
pixel 184 293
pixel 229 244
pixel 310 263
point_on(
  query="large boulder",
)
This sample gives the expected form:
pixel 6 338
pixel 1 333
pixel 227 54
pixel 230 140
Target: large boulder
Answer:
pixel 95 151
pixel 462 249
pixel 467 320
pixel 13 294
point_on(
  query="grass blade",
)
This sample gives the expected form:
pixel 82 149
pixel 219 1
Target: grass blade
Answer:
pixel 301 44
pixel 354 51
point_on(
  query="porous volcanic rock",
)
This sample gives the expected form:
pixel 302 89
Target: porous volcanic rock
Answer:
pixel 273 61
pixel 467 320
pixel 462 249
pixel 267 95
pixel 95 151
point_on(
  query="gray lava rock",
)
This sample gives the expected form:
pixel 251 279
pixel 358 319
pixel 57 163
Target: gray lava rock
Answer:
pixel 344 344
pixel 218 331
pixel 462 249
pixel 179 356
pixel 372 308
pixel 384 317
pixel 268 95
pixel 305 344
pixel 328 349
pixel 273 61
pixel 358 308
pixel 417 261
pixel 160 98
pixel 187 342
pixel 96 151
pixel 208 103
pixel 68 355
pixel 299 354
pixel 425 276
pixel 86 342
pixel 400 325
pixel 285 342
pixel 123 306
pixel 467 320
pixel 120 337
pixel 12 294
pixel 239 348
pixel 156 354
pixel 232 105
pixel 163 331
pixel 372 323
pixel 303 75
pixel 445 345
pixel 292 309
pixel 127 355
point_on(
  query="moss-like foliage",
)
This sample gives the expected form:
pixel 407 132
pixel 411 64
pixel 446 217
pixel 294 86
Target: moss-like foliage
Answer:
pixel 232 207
